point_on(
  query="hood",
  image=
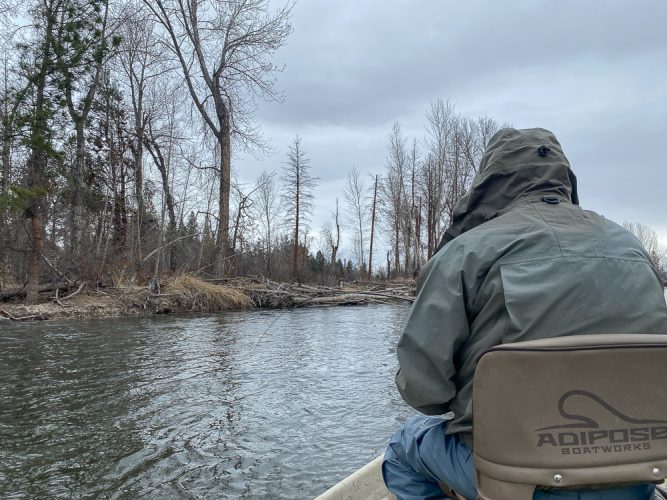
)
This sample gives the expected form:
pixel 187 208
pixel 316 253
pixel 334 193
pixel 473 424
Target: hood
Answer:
pixel 515 164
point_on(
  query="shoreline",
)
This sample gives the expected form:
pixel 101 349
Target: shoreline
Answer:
pixel 186 295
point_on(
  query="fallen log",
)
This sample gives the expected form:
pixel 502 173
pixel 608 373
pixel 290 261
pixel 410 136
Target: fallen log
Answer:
pixel 21 292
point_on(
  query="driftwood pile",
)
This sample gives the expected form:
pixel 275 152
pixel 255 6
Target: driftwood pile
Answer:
pixel 271 295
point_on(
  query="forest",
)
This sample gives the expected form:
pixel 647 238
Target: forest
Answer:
pixel 120 122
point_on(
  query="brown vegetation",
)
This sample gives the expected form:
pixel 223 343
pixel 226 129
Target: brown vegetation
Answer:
pixel 186 293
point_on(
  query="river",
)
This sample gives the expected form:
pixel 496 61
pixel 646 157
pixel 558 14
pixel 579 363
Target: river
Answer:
pixel 259 404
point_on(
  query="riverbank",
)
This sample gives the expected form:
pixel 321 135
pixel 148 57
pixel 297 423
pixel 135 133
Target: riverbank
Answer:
pixel 187 294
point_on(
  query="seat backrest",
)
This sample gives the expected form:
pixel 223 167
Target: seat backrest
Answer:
pixel 568 412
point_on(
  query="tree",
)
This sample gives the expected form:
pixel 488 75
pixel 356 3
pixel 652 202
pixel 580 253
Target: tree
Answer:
pixel 298 185
pixel 331 234
pixel 393 190
pixel 409 208
pixel 356 197
pixel 140 62
pixel 109 137
pixel 11 99
pixel 81 47
pixel 40 137
pixel 224 50
pixel 373 207
pixel 648 237
pixel 439 137
pixel 268 209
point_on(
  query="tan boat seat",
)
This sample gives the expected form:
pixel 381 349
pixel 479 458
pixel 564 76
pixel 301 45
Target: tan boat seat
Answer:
pixel 570 412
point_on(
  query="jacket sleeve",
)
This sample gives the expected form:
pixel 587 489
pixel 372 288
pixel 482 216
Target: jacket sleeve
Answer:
pixel 436 329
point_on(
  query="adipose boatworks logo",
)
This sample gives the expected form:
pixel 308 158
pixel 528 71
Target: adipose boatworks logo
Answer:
pixel 584 435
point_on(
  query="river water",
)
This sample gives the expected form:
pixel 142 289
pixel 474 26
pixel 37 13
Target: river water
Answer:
pixel 260 404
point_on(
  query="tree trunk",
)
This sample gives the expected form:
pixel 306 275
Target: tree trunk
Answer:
pixel 397 249
pixel 119 211
pixel 7 127
pixel 77 212
pixel 222 242
pixel 161 164
pixel 36 235
pixel 295 262
pixel 418 234
pixel 6 156
pixel 138 151
pixel 37 166
pixel 370 251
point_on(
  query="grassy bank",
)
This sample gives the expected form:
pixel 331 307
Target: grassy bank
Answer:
pixel 186 294
pixel 182 294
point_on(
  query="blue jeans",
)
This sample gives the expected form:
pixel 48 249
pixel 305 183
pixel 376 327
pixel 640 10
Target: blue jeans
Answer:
pixel 420 454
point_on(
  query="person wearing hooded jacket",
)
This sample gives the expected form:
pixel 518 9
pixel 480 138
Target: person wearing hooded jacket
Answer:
pixel 520 261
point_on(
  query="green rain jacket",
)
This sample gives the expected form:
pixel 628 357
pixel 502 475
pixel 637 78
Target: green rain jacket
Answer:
pixel 520 261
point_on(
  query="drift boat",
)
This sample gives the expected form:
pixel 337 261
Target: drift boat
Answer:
pixel 366 483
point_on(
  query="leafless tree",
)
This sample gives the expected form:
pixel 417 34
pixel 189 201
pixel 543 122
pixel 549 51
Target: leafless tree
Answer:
pixel 356 196
pixel 159 137
pixel 409 208
pixel 372 237
pixel 298 185
pixel 243 220
pixel 224 49
pixel 648 237
pixel 392 190
pixel 438 140
pixel 141 61
pixel 268 211
pixel 331 234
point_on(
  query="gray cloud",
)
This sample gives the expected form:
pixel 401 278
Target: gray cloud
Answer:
pixel 593 72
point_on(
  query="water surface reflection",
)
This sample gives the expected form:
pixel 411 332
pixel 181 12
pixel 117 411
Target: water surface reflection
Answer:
pixel 205 407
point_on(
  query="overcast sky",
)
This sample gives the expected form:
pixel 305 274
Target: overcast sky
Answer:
pixel 593 72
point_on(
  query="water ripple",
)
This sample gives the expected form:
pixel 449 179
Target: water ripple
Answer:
pixel 194 407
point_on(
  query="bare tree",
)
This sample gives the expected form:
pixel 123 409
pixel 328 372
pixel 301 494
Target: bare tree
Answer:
pixel 242 219
pixel 298 185
pixel 268 208
pixel 356 196
pixel 140 62
pixel 409 208
pixel 224 49
pixel 648 237
pixel 439 136
pixel 160 145
pixel 331 234
pixel 372 237
pixel 392 190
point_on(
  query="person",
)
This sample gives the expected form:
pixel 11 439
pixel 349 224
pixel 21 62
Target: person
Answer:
pixel 520 261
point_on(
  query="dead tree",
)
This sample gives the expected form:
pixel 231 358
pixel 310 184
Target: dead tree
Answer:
pixel 298 185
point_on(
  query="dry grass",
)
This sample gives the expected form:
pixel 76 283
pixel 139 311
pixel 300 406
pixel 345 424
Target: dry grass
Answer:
pixel 191 293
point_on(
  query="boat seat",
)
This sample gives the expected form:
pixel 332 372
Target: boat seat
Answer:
pixel 573 412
